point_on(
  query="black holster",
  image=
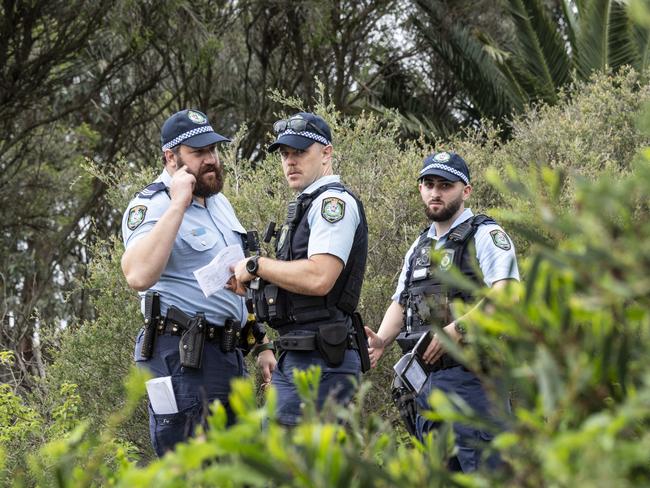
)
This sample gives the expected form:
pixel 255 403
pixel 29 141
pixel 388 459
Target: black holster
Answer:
pixel 190 347
pixel 151 320
pixel 362 341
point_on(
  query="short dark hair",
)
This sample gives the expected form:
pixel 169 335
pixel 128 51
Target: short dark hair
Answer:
pixel 175 150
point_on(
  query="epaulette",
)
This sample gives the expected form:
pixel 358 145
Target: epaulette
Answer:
pixel 468 228
pixel 481 219
pixel 150 190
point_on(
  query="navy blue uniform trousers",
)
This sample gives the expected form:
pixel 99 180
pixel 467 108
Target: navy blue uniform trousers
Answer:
pixel 469 440
pixel 339 382
pixel 194 389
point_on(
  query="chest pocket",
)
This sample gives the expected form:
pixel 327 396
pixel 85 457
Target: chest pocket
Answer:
pixel 197 240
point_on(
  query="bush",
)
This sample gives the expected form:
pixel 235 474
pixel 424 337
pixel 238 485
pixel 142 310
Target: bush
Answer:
pixel 571 347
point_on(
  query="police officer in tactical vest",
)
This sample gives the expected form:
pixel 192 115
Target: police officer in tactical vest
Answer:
pixel 310 291
pixel 176 225
pixel 483 252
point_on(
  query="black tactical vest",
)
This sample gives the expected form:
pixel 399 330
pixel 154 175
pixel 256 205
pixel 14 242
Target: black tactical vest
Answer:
pixel 288 311
pixel 426 299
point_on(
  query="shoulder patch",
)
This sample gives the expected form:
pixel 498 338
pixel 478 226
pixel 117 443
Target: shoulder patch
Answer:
pixel 333 209
pixel 150 190
pixel 500 239
pixel 136 216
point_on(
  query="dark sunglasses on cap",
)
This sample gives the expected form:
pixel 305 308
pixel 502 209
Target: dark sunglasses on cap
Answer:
pixel 296 124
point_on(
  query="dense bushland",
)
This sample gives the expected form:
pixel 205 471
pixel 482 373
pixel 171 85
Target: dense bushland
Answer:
pixel 570 187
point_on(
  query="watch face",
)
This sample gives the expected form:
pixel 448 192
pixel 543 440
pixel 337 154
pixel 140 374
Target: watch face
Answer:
pixel 251 266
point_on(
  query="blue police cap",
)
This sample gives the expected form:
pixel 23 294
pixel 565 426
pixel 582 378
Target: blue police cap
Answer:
pixel 189 127
pixel 315 130
pixel 447 165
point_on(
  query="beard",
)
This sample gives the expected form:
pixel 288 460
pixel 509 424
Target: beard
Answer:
pixel 209 180
pixel 446 212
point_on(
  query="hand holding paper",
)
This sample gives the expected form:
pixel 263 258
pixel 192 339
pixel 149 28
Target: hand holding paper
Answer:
pixel 214 276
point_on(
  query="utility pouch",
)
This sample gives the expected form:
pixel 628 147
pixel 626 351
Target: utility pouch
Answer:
pixel 252 243
pixel 258 300
pixel 230 337
pixel 362 341
pixel 271 297
pixel 269 302
pixel 191 344
pixel 294 212
pixel 151 319
pixel 331 342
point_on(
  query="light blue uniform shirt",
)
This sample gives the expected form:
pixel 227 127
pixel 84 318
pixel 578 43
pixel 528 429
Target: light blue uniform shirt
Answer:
pixel 496 264
pixel 331 238
pixel 203 233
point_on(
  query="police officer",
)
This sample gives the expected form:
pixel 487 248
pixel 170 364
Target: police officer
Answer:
pixel 311 289
pixel 174 226
pixel 421 299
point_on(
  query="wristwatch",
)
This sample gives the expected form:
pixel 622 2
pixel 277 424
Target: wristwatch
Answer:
pixel 252 265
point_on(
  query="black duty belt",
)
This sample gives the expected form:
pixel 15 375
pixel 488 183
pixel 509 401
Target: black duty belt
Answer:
pixel 305 342
pixel 176 322
pixel 447 361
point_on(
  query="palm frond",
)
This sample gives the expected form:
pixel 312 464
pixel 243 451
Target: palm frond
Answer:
pixel 542 51
pixel 491 91
pixel 641 35
pixel 606 38
pixel 571 27
pixel 623 49
pixel 592 41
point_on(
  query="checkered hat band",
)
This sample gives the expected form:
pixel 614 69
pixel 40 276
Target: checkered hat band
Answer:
pixel 446 168
pixel 308 135
pixel 186 135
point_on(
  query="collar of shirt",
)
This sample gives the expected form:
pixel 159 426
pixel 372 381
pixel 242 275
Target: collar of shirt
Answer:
pixel 323 180
pixel 165 177
pixel 467 214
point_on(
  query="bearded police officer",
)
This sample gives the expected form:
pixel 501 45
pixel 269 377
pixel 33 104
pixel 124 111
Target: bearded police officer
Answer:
pixel 174 226
pixel 310 291
pixel 421 299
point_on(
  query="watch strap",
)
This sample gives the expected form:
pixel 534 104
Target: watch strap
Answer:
pixel 268 346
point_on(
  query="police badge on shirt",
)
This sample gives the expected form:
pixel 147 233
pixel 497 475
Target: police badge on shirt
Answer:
pixel 333 209
pixel 500 239
pixel 136 216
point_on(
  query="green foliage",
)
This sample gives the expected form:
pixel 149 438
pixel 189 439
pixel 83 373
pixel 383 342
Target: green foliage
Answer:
pixel 552 45
pixel 96 355
pixel 17 421
pixel 85 457
pixel 569 341
pixel 593 129
pixel 254 452
pixel 23 428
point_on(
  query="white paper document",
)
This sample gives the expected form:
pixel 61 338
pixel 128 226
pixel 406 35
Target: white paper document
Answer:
pixel 161 395
pixel 214 276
